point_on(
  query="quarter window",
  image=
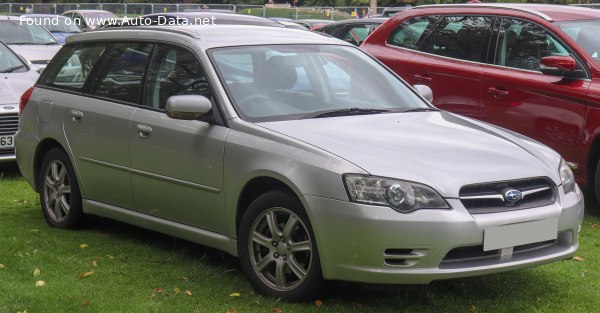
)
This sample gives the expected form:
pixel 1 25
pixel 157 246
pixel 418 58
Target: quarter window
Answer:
pixel 460 37
pixel 408 34
pixel 522 45
pixel 122 73
pixel 174 72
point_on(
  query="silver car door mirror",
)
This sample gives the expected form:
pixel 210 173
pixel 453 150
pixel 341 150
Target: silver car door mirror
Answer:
pixel 424 91
pixel 188 107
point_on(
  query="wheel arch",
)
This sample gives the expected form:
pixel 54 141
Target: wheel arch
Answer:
pixel 42 148
pixel 592 162
pixel 253 189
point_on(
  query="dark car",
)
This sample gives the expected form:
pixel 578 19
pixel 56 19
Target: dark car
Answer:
pixel 389 12
pixel 199 18
pixel 354 31
pixel 531 68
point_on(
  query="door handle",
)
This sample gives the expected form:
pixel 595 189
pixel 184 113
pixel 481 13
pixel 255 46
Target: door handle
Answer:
pixel 422 78
pixel 498 93
pixel 76 116
pixel 144 131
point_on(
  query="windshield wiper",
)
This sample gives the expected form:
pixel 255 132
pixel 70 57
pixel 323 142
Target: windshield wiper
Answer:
pixel 421 110
pixel 12 69
pixel 345 112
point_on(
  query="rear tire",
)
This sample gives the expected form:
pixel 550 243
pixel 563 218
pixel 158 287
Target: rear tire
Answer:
pixel 59 191
pixel 277 248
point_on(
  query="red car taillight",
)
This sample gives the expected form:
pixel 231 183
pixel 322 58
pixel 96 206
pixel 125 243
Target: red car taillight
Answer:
pixel 25 98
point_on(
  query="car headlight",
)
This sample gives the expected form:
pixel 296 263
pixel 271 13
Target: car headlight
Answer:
pixel 566 177
pixel 402 196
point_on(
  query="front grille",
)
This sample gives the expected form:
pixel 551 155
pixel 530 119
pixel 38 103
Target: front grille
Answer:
pixel 490 197
pixel 9 123
pixel 472 253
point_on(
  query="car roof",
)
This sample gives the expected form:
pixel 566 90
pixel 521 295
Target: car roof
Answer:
pixel 549 12
pixel 210 36
pixel 220 17
pixel 43 15
pixel 367 20
pixel 88 11
pixel 9 17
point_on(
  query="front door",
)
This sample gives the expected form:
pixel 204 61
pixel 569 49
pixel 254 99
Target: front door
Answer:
pixel 519 97
pixel 177 165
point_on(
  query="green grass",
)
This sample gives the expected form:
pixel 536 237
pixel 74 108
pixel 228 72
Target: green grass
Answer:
pixel 132 263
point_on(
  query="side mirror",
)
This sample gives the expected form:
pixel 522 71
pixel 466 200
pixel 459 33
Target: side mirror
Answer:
pixel 188 107
pixel 424 91
pixel 557 65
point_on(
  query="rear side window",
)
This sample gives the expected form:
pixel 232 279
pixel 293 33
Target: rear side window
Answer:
pixel 460 37
pixel 71 67
pixel 409 32
pixel 121 75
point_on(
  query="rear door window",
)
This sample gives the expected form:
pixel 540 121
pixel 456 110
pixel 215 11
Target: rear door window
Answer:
pixel 460 37
pixel 121 75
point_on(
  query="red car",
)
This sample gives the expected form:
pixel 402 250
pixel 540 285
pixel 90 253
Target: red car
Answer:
pixel 531 68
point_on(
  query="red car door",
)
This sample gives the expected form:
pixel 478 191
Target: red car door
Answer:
pixel 517 96
pixel 450 61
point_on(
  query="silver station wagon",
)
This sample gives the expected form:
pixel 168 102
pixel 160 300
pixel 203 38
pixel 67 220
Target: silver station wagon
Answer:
pixel 297 153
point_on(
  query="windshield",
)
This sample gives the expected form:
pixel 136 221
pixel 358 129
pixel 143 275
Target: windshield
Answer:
pixel 586 34
pixel 9 62
pixel 281 82
pixel 100 18
pixel 59 25
pixel 13 32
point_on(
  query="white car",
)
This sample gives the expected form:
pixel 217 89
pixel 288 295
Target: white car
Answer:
pixel 32 42
pixel 15 77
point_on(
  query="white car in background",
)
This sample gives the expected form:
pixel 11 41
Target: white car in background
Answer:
pixel 15 77
pixel 32 42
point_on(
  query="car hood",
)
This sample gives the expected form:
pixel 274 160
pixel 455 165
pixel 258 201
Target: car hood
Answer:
pixel 438 149
pixel 36 53
pixel 12 86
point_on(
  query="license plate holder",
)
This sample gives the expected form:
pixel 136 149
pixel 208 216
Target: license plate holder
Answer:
pixel 7 141
pixel 511 235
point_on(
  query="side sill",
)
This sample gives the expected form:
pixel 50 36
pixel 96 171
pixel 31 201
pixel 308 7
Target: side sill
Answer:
pixel 193 234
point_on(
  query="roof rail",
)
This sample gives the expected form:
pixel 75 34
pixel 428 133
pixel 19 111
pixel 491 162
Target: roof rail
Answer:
pixel 507 6
pixel 167 29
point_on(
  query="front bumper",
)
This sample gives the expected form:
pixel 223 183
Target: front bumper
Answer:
pixel 373 244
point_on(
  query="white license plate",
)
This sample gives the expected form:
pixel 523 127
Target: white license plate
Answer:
pixel 7 142
pixel 520 234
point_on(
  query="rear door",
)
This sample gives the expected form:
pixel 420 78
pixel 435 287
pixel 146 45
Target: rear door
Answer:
pixel 97 120
pixel 517 96
pixel 450 62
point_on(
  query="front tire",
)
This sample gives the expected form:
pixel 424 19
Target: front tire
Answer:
pixel 59 191
pixel 277 248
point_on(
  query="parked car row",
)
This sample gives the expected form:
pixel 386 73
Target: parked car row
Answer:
pixel 303 155
pixel 529 68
